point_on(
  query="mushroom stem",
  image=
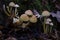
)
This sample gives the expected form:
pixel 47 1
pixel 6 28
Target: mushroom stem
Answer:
pixel 8 9
pixel 44 25
pixel 15 11
pixel 50 29
pixel 5 11
pixel 47 28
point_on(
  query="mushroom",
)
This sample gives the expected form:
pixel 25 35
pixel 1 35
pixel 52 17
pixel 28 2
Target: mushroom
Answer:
pixel 25 19
pixel 16 6
pixel 11 4
pixel 51 24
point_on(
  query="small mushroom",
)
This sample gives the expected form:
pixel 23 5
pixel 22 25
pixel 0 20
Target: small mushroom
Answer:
pixel 11 5
pixel 16 6
pixel 51 24
pixel 25 20
pixel 48 20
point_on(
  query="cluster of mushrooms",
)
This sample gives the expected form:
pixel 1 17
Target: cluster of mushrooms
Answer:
pixel 27 18
pixel 47 24
pixel 20 21
pixel 9 9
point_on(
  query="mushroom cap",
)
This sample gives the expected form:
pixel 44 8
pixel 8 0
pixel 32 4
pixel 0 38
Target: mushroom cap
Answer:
pixel 48 20
pixel 45 13
pixel 28 12
pixel 16 5
pixel 11 4
pixel 33 19
pixel 51 24
pixel 24 17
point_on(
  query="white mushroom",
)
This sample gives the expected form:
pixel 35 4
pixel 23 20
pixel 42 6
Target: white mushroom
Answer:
pixel 51 24
pixel 16 6
pixel 48 20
